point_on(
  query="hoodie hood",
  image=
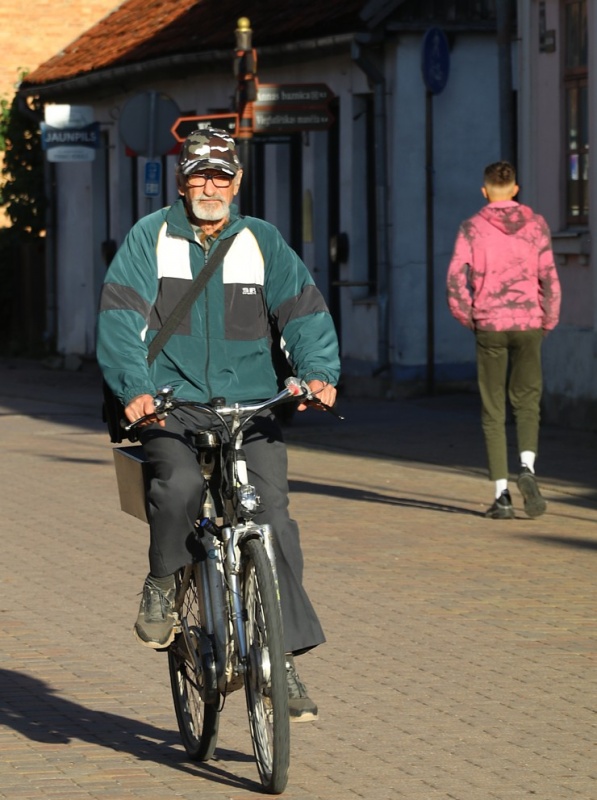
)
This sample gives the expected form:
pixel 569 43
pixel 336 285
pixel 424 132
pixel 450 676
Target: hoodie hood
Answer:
pixel 507 216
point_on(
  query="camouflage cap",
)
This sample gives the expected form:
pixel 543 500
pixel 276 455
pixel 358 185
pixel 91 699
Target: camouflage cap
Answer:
pixel 208 148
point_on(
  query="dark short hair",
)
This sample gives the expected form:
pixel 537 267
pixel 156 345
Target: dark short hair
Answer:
pixel 500 173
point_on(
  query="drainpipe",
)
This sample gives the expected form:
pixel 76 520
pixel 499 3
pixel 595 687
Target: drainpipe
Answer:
pixel 504 24
pixel 378 82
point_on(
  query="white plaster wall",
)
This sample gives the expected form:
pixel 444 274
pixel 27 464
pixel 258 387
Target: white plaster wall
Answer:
pixel 592 14
pixel 566 356
pixel 465 139
pixel 570 380
pixel 545 102
pixel 75 296
pixel 77 300
pixel 360 333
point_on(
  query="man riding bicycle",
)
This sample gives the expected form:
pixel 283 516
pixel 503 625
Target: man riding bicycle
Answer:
pixel 262 293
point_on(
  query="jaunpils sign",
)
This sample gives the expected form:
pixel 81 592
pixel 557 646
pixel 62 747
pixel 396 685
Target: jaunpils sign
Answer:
pixel 69 133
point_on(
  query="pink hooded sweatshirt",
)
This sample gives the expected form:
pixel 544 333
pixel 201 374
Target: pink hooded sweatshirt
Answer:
pixel 502 275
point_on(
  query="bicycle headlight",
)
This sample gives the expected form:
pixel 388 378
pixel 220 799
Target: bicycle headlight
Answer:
pixel 247 498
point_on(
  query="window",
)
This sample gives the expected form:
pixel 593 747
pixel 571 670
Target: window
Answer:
pixel 577 107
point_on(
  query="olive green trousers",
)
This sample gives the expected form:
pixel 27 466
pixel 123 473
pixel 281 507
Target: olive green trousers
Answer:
pixel 509 366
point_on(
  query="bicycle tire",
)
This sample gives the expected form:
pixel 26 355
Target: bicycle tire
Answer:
pixel 266 687
pixel 198 721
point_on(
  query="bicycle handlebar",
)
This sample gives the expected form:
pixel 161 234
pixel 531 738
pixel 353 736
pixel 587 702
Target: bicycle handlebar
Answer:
pixel 295 389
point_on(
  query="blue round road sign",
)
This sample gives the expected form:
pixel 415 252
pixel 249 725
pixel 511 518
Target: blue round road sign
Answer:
pixel 435 60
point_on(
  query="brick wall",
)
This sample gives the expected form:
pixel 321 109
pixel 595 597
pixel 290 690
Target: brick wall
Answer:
pixel 33 32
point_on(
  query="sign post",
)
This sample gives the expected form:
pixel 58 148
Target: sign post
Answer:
pixel 245 71
pixel 435 67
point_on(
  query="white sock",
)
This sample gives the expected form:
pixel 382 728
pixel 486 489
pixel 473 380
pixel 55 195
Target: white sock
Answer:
pixel 527 459
pixel 500 486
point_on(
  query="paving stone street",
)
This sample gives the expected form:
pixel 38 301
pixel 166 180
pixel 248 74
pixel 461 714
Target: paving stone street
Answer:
pixel 461 660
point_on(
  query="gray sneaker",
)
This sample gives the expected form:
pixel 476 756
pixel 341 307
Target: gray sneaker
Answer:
pixel 155 625
pixel 300 707
pixel 534 503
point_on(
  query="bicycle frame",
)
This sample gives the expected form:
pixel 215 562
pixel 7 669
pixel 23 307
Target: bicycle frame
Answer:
pixel 217 576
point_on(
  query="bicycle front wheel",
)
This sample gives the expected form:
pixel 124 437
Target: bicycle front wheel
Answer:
pixel 265 679
pixel 192 676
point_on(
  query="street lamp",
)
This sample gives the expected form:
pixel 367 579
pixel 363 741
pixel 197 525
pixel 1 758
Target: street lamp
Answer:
pixel 245 64
pixel 245 71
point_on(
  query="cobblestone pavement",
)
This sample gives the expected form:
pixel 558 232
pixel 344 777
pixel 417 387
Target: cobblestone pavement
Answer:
pixel 461 653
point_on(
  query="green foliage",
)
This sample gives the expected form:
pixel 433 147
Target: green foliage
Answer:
pixel 22 193
pixel 8 284
pixel 22 196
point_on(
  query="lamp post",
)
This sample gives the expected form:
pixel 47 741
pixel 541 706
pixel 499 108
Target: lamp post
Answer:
pixel 245 71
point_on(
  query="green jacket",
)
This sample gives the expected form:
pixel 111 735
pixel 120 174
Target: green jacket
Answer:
pixel 228 346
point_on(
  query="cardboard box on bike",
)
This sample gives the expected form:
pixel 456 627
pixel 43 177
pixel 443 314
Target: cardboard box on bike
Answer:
pixel 132 475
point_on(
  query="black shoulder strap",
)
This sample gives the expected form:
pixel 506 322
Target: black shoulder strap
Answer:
pixel 183 306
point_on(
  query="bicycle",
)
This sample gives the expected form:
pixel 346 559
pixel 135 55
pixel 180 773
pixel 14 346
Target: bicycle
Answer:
pixel 229 629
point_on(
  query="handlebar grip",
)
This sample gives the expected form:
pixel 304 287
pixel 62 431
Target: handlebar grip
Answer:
pixel 297 388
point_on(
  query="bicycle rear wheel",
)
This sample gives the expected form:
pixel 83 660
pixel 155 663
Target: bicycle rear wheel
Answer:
pixel 265 680
pixel 192 675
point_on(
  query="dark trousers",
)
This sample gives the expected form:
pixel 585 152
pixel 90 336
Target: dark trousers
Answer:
pixel 520 352
pixel 175 497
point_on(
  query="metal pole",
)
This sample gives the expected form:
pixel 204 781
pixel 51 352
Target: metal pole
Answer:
pixel 506 96
pixel 151 144
pixel 246 193
pixel 246 88
pixel 430 242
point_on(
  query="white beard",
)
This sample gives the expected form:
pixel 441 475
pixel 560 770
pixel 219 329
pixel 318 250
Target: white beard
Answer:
pixel 212 211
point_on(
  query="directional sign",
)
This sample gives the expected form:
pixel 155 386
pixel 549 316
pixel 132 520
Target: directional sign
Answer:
pixel 303 94
pixel 185 125
pixel 288 107
pixel 269 120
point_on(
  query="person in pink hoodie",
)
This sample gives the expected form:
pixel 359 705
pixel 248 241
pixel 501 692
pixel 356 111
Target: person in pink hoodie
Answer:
pixel 502 284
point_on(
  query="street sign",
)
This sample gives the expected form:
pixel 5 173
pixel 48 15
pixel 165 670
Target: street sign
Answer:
pixel 145 122
pixel 153 178
pixel 290 107
pixel 269 120
pixel 303 94
pixel 69 133
pixel 183 126
pixel 435 60
pixel 70 144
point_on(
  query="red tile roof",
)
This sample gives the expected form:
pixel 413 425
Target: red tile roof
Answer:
pixel 144 30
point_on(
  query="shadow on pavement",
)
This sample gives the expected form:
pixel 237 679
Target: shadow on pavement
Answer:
pixel 30 707
pixel 442 430
pixel 563 541
pixel 367 496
